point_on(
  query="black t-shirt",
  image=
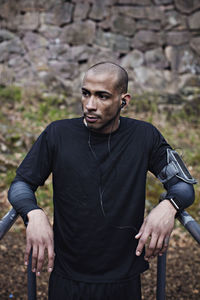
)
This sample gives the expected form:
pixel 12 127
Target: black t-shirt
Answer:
pixel 98 193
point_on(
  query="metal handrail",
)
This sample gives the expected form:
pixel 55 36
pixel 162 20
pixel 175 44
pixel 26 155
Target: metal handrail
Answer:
pixel 5 224
pixel 186 220
pixel 194 229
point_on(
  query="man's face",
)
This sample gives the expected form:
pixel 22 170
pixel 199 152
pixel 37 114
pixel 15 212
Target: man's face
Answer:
pixel 100 101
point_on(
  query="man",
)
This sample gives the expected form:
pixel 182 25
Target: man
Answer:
pixel 99 164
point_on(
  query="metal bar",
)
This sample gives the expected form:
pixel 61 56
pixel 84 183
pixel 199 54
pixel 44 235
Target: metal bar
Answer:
pixel 31 279
pixel 7 221
pixel 190 224
pixel 161 276
pixel 194 229
pixel 5 224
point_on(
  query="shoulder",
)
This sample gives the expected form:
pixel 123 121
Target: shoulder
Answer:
pixel 60 125
pixel 138 124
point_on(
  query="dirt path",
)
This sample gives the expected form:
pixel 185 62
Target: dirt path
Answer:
pixel 183 270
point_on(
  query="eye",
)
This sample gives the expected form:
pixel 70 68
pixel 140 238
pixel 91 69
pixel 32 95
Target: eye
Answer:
pixel 103 96
pixel 85 93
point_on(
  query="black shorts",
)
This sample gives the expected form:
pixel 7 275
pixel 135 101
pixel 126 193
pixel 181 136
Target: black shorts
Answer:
pixel 65 289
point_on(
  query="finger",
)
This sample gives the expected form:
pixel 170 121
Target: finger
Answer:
pixel 159 246
pixel 51 256
pixel 40 259
pixel 165 245
pixel 34 258
pixel 138 235
pixel 142 241
pixel 27 253
pixel 150 250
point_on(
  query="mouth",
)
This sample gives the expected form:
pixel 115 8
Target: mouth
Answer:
pixel 91 118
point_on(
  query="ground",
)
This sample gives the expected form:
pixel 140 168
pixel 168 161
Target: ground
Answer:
pixel 23 117
pixel 183 272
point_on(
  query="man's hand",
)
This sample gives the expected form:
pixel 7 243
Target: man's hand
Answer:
pixel 156 230
pixel 39 235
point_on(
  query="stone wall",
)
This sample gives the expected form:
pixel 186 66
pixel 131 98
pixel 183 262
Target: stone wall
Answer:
pixel 50 43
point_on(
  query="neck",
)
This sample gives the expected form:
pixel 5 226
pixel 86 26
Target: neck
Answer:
pixel 111 126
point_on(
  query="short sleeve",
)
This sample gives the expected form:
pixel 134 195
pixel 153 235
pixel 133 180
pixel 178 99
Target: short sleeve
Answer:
pixel 37 165
pixel 158 155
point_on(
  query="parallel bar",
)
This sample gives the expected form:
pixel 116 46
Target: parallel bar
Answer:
pixel 31 278
pixel 190 224
pixel 161 274
pixel 7 221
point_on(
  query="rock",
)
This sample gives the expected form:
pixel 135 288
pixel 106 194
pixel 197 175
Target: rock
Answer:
pixel 134 2
pixel 50 31
pixel 123 25
pixel 79 33
pixel 8 9
pixel 38 5
pixel 68 70
pixel 188 62
pixel 189 80
pixel 58 51
pixel 81 11
pixel 178 38
pixel 150 79
pixel 6 35
pixel 115 42
pixel 195 44
pixel 132 60
pixel 154 13
pixel 63 13
pixel 183 60
pixel 171 55
pixel 135 12
pixel 175 20
pixel 146 39
pixel 59 85
pixel 194 20
pixel 37 58
pixel 17 62
pixel 29 21
pixel 148 25
pixel 163 2
pixel 187 6
pixel 7 48
pixel 103 55
pixel 80 53
pixel 98 11
pixel 33 41
pixel 47 18
pixel 7 76
pixel 156 58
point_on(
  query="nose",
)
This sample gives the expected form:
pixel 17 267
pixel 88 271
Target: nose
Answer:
pixel 91 103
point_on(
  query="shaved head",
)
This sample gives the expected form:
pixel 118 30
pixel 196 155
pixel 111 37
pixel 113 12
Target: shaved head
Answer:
pixel 114 70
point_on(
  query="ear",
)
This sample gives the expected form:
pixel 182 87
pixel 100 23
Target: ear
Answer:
pixel 126 97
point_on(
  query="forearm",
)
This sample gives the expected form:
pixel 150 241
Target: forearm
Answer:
pixel 22 198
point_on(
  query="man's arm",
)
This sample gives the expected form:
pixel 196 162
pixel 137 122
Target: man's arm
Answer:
pixel 39 234
pixel 158 225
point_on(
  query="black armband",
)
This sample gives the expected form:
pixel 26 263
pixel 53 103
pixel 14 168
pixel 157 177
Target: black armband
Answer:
pixel 178 181
pixel 21 196
pixel 175 167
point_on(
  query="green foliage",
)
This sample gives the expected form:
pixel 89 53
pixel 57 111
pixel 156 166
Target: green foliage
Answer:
pixel 10 175
pixel 190 112
pixel 147 102
pixel 10 94
pixel 31 114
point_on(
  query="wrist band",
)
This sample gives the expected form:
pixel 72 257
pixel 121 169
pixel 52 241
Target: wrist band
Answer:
pixel 171 200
